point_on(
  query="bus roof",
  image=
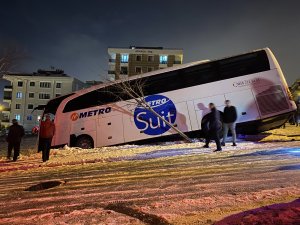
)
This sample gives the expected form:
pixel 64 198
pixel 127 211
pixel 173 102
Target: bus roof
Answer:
pixel 156 72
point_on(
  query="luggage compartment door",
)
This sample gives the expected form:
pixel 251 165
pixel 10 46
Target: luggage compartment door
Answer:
pixel 110 130
pixel 245 104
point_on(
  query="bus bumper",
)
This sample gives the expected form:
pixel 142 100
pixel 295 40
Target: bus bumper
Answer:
pixel 258 126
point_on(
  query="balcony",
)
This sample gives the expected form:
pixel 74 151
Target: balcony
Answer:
pixel 6 97
pixel 5 110
pixel 8 88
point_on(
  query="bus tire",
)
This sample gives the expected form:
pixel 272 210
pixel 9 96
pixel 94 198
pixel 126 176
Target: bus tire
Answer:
pixel 84 141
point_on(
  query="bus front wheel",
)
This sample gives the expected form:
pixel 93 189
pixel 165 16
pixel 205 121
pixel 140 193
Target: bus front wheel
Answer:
pixel 84 141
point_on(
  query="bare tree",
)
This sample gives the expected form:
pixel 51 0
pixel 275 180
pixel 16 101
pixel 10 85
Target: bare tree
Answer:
pixel 10 57
pixel 133 89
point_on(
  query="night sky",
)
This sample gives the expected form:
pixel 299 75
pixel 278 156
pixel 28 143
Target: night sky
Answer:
pixel 74 35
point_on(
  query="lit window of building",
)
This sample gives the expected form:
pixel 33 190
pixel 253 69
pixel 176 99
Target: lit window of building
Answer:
pixel 19 95
pixel 163 59
pixel 18 117
pixel 124 58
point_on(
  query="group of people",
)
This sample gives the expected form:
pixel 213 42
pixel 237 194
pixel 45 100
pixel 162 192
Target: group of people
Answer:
pixel 217 120
pixel 16 133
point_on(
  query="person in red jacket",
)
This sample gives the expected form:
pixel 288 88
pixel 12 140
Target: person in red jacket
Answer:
pixel 47 131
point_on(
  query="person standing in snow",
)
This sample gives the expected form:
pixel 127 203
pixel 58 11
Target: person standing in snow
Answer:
pixel 47 131
pixel 14 137
pixel 213 127
pixel 229 119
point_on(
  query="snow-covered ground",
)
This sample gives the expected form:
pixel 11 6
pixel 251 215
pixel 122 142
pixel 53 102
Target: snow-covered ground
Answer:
pixel 169 183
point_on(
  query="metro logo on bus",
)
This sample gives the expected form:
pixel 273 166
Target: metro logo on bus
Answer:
pixel 76 116
pixel 149 123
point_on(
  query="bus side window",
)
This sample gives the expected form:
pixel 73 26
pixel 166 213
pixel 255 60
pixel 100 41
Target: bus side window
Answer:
pixel 243 65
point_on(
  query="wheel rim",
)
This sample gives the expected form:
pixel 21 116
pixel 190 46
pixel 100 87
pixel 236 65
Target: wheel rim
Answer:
pixel 84 143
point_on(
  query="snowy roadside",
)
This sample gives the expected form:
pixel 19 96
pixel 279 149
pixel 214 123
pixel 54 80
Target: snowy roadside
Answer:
pixel 290 133
pixel 30 159
pixel 75 156
pixel 174 182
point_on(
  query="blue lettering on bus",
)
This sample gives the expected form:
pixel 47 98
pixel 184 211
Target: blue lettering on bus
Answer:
pixel 148 122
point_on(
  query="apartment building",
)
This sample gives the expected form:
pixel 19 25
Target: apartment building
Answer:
pixel 90 83
pixel 124 62
pixel 27 91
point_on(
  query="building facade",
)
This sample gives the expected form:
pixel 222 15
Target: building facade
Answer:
pixel 295 89
pixel 124 62
pixel 27 91
pixel 90 83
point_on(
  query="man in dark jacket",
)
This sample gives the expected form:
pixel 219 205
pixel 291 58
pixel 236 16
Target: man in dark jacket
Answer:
pixel 14 137
pixel 213 125
pixel 229 119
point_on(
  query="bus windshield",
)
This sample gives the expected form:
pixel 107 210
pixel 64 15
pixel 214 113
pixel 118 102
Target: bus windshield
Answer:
pixel 53 104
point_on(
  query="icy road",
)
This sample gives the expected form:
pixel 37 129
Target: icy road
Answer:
pixel 155 184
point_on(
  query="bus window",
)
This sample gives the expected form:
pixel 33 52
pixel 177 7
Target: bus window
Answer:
pixel 91 99
pixel 53 104
pixel 244 64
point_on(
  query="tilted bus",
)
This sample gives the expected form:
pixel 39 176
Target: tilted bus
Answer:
pixel 252 81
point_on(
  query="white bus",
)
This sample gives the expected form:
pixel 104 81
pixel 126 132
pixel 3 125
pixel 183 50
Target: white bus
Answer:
pixel 252 81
